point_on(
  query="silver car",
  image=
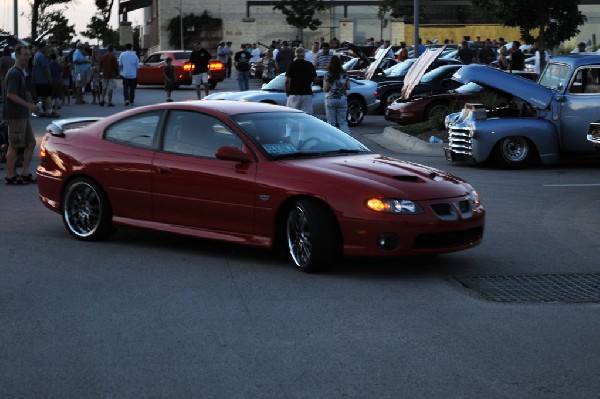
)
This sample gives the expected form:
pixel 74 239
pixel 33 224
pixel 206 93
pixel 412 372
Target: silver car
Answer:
pixel 361 97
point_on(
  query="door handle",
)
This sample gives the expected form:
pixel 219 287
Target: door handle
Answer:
pixel 164 170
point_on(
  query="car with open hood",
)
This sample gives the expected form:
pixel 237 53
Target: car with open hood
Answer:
pixel 361 97
pixel 254 174
pixel 546 121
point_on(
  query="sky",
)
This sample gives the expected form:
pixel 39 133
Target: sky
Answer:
pixel 78 12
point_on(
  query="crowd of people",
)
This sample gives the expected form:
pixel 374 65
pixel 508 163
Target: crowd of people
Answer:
pixel 40 79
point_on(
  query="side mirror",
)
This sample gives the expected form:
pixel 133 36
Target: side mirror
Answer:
pixel 228 153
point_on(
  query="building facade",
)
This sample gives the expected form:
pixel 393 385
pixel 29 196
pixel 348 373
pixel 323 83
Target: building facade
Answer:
pixel 346 20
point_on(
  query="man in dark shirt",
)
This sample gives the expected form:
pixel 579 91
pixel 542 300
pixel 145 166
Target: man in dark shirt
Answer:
pixel 517 58
pixel 241 60
pixel 17 107
pixel 200 58
pixel 284 57
pixel 298 83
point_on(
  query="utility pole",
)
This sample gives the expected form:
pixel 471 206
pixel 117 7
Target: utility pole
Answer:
pixel 416 27
pixel 16 19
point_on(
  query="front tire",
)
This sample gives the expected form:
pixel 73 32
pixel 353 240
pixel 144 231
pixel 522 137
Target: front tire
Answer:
pixel 436 110
pixel 86 211
pixel 356 111
pixel 513 152
pixel 312 236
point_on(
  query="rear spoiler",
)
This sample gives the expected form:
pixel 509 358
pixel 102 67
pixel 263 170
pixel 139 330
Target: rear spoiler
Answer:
pixel 58 127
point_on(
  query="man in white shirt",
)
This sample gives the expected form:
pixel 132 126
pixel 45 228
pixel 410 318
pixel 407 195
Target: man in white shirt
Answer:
pixel 128 62
pixel 255 53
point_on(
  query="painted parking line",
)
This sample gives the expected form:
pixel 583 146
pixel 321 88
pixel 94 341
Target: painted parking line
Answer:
pixel 572 185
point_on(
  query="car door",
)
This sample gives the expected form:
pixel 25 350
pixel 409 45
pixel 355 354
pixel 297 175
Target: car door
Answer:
pixel 579 108
pixel 191 186
pixel 151 69
pixel 130 145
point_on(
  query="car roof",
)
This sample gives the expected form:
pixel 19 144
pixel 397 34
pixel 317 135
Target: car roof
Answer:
pixel 577 59
pixel 227 107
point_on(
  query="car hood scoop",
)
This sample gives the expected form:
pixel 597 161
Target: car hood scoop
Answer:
pixel 384 175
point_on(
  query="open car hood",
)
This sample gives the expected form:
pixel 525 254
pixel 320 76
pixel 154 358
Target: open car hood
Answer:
pixel 375 64
pixel 358 52
pixel 418 69
pixel 525 89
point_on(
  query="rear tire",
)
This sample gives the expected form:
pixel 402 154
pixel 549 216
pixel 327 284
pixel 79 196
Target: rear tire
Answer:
pixel 86 211
pixel 312 236
pixel 212 85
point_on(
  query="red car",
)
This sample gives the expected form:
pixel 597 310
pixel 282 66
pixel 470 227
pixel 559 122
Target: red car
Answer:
pixel 151 70
pixel 255 174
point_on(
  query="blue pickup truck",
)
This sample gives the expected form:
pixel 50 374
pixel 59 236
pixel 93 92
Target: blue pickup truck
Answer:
pixel 543 121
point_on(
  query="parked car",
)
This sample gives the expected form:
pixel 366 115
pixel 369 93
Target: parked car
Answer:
pixel 151 69
pixel 253 174
pixel 367 64
pixel 361 97
pixel 435 81
pixel 421 108
pixel 547 120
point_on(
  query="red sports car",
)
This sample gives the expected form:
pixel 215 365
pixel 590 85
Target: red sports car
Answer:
pixel 151 70
pixel 251 173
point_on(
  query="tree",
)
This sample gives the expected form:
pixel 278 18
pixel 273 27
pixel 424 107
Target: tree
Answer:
pixel 300 13
pixel 38 9
pixel 557 20
pixel 56 27
pixel 98 28
pixel 403 9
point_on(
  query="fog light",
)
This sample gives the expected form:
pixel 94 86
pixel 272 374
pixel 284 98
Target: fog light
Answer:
pixel 387 241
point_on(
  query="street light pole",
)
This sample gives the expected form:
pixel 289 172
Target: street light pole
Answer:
pixel 181 23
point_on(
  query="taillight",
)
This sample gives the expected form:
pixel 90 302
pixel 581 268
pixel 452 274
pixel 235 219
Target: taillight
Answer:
pixel 215 65
pixel 188 66
pixel 43 149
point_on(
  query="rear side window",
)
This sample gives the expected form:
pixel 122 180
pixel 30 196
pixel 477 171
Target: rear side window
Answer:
pixel 182 55
pixel 136 131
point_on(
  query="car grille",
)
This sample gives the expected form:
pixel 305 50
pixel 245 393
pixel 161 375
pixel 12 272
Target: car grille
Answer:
pixel 448 239
pixel 451 211
pixel 459 141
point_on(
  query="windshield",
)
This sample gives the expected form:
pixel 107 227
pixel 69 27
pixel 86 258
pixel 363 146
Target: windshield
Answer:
pixel 399 69
pixel 438 74
pixel 276 84
pixel 182 55
pixel 294 134
pixel 554 76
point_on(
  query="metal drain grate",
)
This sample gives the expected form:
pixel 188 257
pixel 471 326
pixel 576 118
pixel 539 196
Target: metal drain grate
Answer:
pixel 570 288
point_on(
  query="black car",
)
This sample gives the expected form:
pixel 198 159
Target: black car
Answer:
pixel 437 80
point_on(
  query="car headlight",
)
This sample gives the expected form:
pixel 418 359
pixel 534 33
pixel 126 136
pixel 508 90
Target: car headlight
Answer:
pixel 398 206
pixel 474 197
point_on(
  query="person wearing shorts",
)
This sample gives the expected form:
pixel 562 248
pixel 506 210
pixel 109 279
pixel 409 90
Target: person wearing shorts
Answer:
pixel 200 59
pixel 81 72
pixel 16 110
pixel 110 70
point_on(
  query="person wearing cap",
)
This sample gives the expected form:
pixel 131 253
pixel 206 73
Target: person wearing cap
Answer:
pixel 81 72
pixel 298 83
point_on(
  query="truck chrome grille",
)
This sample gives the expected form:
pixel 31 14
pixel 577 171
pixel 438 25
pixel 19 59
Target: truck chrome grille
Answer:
pixel 459 141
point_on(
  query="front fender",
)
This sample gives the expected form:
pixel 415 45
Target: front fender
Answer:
pixel 542 133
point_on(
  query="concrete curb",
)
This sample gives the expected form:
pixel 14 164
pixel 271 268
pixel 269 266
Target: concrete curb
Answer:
pixel 397 141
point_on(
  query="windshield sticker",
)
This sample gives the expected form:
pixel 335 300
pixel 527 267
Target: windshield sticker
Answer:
pixel 278 149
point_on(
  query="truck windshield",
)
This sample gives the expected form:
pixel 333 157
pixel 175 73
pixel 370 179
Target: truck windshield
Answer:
pixel 554 76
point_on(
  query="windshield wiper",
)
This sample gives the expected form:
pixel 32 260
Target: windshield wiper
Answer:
pixel 302 154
